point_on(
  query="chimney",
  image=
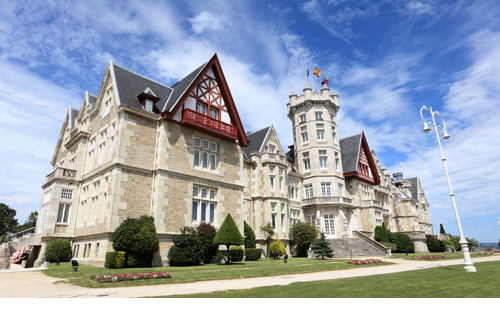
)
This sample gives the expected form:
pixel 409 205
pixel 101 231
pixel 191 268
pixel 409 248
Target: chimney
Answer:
pixel 398 176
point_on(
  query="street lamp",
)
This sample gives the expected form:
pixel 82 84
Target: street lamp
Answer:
pixel 469 266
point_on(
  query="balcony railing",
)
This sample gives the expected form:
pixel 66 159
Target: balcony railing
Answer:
pixel 382 189
pixel 208 124
pixel 327 200
pixel 370 202
pixel 61 173
pixel 274 157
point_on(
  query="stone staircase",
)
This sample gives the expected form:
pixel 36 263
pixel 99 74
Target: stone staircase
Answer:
pixel 360 248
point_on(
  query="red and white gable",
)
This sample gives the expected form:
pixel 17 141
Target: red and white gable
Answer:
pixel 207 106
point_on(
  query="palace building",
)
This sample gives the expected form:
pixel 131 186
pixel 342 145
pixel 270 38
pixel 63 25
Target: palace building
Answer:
pixel 181 155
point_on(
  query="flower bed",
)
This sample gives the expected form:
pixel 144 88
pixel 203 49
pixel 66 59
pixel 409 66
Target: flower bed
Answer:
pixel 20 255
pixel 364 261
pixel 487 253
pixel 131 277
pixel 429 257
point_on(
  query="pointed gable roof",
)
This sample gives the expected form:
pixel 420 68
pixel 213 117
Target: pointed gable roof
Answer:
pixel 256 139
pixel 352 149
pixel 183 89
pixel 129 85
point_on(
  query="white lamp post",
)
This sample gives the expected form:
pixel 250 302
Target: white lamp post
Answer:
pixel 469 266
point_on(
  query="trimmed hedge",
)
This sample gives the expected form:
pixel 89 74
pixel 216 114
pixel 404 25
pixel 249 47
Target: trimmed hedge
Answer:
pixel 404 242
pixel 115 260
pixel 236 253
pixel 435 245
pixel 253 254
pixel 59 249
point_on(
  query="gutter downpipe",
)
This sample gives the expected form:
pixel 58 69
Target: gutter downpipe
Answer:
pixel 154 167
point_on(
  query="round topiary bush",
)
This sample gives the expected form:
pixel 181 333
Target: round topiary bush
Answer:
pixel 58 250
pixel 277 249
pixel 137 237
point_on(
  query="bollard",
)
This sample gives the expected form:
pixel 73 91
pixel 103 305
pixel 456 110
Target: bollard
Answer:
pixel 285 258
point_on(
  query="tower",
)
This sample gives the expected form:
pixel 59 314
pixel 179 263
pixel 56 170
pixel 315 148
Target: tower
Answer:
pixel 325 202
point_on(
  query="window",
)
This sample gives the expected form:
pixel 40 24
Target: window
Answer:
pixel 271 148
pixel 202 108
pixel 63 214
pixel 303 134
pixel 329 224
pixel 337 161
pixel 43 218
pixel 325 189
pixel 293 186
pixel 273 220
pixel 205 156
pixel 378 218
pixel 318 115
pixel 214 112
pixel 273 207
pixel 148 105
pixel 271 181
pixel 302 118
pixel 320 131
pixel 341 189
pixel 204 204
pixel 305 158
pixel 323 159
pixel 333 134
pixel 308 190
pixel 67 194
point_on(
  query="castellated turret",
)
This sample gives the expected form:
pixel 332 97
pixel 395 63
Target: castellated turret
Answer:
pixel 318 158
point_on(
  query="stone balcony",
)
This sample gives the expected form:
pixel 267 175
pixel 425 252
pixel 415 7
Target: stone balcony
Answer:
pixel 273 157
pixel 60 173
pixel 331 200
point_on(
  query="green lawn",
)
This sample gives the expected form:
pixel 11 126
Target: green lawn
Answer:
pixel 443 282
pixel 447 256
pixel 263 267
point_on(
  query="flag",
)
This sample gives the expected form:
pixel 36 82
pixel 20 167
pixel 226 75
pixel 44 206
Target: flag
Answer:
pixel 325 81
pixel 307 70
pixel 316 72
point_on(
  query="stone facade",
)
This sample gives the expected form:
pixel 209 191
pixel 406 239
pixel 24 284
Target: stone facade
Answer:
pixel 181 155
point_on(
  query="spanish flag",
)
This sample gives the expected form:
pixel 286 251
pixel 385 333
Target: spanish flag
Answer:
pixel 316 72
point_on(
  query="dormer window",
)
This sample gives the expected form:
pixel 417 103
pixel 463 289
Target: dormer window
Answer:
pixel 148 105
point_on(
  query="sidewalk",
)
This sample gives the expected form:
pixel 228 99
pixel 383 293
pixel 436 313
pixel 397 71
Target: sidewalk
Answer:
pixel 35 284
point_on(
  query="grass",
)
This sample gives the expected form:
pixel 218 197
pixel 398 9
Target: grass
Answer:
pixel 261 268
pixel 447 256
pixel 442 282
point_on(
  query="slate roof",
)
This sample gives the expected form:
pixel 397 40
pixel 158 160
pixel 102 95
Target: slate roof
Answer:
pixel 180 87
pixel 92 100
pixel 349 150
pixel 414 187
pixel 256 139
pixel 129 85
pixel 73 114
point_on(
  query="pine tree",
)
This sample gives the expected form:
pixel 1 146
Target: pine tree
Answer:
pixel 322 247
pixel 441 229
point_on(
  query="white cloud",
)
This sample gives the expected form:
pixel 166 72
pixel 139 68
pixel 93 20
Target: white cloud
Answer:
pixel 205 21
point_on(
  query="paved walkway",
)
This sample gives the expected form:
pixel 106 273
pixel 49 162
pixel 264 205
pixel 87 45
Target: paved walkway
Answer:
pixel 31 283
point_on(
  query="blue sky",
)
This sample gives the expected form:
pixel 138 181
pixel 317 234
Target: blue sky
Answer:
pixel 385 59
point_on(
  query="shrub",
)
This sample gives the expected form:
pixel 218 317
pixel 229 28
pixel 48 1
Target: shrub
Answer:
pixel 250 242
pixel 228 234
pixel 390 245
pixel 434 245
pixel 137 237
pixel 382 234
pixel 20 255
pixel 302 235
pixel 187 249
pixel 115 260
pixel 277 249
pixel 206 235
pixel 441 229
pixel 447 242
pixel 404 242
pixel 59 249
pixel 236 253
pixel 253 254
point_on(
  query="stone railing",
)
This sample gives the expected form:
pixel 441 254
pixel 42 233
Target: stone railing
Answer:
pixel 376 244
pixel 273 157
pixel 61 173
pixel 382 189
pixel 327 200
pixel 370 202
pixel 414 234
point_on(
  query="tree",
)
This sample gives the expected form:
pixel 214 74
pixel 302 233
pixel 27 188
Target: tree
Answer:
pixel 302 235
pixel 472 243
pixel 206 234
pixel 29 223
pixel 404 242
pixel 268 230
pixel 8 221
pixel 228 234
pixel 277 249
pixel 250 242
pixel 441 229
pixel 322 247
pixel 137 237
